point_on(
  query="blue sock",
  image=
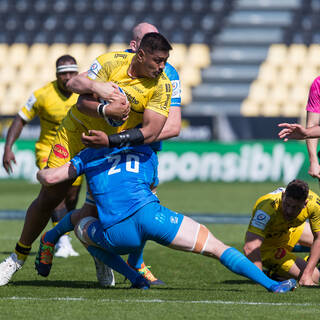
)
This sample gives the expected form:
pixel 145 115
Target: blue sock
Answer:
pixel 60 229
pixel 135 259
pixel 115 262
pixel 238 263
pixel 300 248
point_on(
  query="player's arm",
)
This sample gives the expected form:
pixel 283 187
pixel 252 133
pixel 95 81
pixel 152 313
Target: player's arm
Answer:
pixel 252 247
pixel 118 108
pixel 152 125
pixel 306 277
pixel 313 119
pixel 296 131
pixel 52 176
pixel 172 126
pixel 13 134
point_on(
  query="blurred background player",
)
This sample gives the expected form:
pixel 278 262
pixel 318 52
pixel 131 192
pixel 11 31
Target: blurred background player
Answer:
pixel 51 104
pixel 278 222
pixel 313 119
pixel 130 216
pixel 146 86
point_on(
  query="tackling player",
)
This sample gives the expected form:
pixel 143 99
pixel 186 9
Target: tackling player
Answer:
pixel 149 91
pixel 130 214
pixel 51 104
pixel 278 222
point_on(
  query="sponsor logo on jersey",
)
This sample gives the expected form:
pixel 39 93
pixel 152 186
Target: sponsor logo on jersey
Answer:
pixel 94 69
pixel 280 253
pixel 176 90
pixel 60 151
pixel 31 101
pixel 260 220
pixel 120 55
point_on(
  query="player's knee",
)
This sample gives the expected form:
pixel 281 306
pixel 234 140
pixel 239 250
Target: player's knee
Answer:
pixel 81 229
pixel 201 240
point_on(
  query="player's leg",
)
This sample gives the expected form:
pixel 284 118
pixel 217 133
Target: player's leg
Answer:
pixel 284 264
pixel 37 217
pixel 91 233
pixel 64 247
pixel 197 238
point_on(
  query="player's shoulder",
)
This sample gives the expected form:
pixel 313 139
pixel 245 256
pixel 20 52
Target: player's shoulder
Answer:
pixel 313 198
pixel 269 200
pixel 114 55
pixel 316 82
pixel 171 72
pixel 43 91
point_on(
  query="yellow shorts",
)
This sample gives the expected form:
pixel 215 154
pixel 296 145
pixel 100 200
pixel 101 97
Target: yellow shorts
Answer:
pixel 280 259
pixel 66 145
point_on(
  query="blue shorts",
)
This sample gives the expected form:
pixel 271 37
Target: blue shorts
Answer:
pixel 151 222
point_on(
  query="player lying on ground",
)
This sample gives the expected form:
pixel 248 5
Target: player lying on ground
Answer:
pixel 278 222
pixel 129 214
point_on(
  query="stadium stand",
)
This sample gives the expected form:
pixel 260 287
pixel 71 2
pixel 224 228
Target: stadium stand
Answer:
pixel 249 57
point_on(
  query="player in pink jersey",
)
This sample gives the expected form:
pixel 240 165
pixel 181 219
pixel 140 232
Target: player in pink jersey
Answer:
pixel 313 119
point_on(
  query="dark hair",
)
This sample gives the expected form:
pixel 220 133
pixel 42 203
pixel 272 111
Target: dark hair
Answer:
pixel 297 189
pixel 154 41
pixel 65 58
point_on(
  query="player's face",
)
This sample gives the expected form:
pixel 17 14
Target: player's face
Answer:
pixel 63 78
pixel 291 207
pixel 154 63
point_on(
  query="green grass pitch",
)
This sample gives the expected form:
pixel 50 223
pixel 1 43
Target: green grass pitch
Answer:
pixel 196 287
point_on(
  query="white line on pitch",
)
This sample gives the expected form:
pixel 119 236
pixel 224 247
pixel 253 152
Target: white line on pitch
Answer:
pixel 161 301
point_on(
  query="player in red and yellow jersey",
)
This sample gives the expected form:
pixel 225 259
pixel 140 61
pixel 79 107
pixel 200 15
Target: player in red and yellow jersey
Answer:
pixel 51 104
pixel 278 222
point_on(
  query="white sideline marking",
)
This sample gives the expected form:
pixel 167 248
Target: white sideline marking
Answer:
pixel 163 301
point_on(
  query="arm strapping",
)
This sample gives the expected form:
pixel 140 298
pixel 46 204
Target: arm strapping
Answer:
pixel 126 138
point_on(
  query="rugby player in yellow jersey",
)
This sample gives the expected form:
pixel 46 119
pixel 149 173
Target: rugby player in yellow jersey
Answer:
pixel 278 222
pixel 148 91
pixel 51 104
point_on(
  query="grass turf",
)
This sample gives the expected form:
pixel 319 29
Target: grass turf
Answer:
pixel 196 287
pixel 191 197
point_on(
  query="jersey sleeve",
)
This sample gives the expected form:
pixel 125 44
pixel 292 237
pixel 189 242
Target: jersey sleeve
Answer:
pixel 77 162
pixel 30 109
pixel 314 217
pixel 259 220
pixel 176 85
pixel 161 98
pixel 313 104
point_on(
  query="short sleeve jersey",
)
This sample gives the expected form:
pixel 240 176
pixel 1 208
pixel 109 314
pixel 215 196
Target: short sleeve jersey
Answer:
pixel 313 104
pixel 142 93
pixel 268 222
pixel 51 106
pixel 118 179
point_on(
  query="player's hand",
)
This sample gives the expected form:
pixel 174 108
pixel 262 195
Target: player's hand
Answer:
pixel 105 90
pixel 8 158
pixel 95 139
pixel 292 131
pixel 314 170
pixel 119 107
pixel 307 281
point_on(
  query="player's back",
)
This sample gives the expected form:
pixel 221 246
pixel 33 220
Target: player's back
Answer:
pixel 119 182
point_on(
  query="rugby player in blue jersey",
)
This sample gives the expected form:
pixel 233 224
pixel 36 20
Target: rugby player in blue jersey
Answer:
pixel 129 214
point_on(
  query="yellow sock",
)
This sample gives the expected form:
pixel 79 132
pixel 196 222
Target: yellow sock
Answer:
pixel 22 251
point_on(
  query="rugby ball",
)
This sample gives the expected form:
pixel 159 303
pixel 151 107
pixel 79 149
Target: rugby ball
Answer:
pixel 112 122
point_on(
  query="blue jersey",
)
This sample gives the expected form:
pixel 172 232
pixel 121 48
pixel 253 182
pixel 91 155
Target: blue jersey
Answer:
pixel 173 76
pixel 118 179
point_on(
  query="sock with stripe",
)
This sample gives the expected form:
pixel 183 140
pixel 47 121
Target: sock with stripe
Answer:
pixel 22 251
